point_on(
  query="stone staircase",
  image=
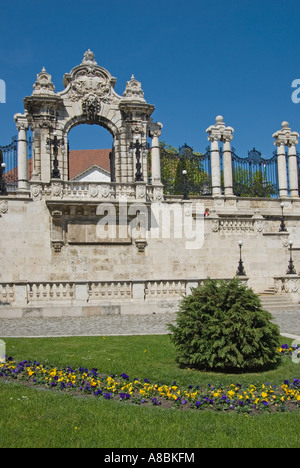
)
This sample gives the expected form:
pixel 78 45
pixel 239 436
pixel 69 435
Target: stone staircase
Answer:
pixel 274 302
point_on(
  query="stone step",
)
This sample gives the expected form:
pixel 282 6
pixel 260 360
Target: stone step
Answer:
pixel 274 302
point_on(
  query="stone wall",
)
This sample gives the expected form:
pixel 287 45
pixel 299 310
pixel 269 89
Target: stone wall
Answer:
pixel 42 270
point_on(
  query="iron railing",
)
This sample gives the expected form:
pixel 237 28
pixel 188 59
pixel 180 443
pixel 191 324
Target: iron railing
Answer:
pixel 253 176
pixel 196 165
pixel 10 159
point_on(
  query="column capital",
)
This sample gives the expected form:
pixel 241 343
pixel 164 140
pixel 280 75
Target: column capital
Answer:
pixel 285 136
pixel 21 122
pixel 154 128
pixel 219 131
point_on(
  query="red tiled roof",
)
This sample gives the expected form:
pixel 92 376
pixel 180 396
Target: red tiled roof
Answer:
pixel 80 160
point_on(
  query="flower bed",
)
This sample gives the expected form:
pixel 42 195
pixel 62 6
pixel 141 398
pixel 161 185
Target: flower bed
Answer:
pixel 235 397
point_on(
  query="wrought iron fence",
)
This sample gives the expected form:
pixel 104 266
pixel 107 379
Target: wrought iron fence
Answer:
pixel 196 165
pixel 10 159
pixel 253 176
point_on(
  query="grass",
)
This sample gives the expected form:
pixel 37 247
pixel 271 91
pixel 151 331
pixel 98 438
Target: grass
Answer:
pixel 36 418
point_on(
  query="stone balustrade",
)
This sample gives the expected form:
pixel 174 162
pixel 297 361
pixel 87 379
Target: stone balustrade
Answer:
pixel 7 293
pixel 288 284
pixel 98 291
pixel 165 289
pixel 83 298
pixel 56 291
pixel 92 191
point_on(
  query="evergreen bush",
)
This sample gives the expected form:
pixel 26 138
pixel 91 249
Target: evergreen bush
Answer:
pixel 222 326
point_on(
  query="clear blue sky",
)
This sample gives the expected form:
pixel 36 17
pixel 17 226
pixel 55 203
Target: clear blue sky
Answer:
pixel 195 59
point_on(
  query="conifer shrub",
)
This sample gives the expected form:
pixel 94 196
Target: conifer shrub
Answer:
pixel 222 326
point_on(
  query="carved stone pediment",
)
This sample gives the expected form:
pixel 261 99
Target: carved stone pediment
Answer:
pixel 88 78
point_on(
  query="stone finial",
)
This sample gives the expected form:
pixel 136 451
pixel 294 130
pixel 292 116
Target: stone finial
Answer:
pixel 43 84
pixel 133 90
pixel 89 57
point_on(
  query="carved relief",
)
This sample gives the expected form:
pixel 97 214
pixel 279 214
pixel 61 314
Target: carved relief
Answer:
pixel 90 78
pixel 158 194
pixel 91 106
pixel 3 207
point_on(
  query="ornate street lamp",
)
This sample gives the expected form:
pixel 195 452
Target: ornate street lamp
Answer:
pixel 185 185
pixel 291 269
pixel 56 143
pixel 3 188
pixel 139 149
pixel 282 227
pixel 240 270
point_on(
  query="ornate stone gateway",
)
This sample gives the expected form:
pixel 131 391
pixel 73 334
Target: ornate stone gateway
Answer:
pixel 88 98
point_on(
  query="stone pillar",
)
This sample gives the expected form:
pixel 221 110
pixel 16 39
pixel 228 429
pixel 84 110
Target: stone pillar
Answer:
pixel 215 133
pixel 22 126
pixel 215 166
pixel 154 133
pixel 285 137
pixel 293 166
pixel 227 162
pixel 282 174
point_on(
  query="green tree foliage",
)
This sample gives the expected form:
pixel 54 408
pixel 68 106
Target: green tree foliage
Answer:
pixel 222 326
pixel 172 165
pixel 248 184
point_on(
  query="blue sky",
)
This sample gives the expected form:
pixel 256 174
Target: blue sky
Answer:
pixel 195 59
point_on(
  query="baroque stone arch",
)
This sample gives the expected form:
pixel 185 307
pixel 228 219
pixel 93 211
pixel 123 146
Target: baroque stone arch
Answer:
pixel 107 128
pixel 88 98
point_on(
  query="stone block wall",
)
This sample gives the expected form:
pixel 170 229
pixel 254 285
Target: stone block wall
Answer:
pixel 35 273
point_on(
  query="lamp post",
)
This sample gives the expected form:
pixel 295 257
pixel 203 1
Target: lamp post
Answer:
pixel 3 188
pixel 56 143
pixel 185 185
pixel 291 269
pixel 139 148
pixel 240 270
pixel 282 227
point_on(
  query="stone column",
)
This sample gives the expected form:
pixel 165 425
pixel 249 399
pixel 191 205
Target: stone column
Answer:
pixel 22 126
pixel 215 166
pixel 214 135
pixel 282 175
pixel 227 162
pixel 154 133
pixel 293 165
pixel 285 137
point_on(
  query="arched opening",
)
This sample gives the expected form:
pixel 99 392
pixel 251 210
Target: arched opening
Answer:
pixel 90 154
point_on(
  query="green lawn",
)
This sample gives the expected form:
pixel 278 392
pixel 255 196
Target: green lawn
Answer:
pixel 30 417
